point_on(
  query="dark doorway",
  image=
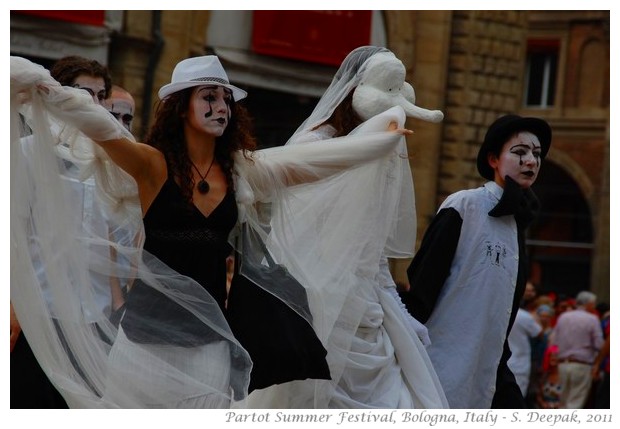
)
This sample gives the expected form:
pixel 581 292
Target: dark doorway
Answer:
pixel 277 114
pixel 560 241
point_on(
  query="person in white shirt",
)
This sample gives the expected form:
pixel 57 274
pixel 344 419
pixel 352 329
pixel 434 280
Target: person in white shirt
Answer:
pixel 523 331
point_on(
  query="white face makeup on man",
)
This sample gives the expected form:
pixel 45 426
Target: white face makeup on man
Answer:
pixel 95 86
pixel 209 109
pixel 519 159
pixel 122 107
pixel 122 110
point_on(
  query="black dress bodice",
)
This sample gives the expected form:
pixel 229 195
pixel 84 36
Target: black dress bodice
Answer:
pixel 179 235
pixel 193 245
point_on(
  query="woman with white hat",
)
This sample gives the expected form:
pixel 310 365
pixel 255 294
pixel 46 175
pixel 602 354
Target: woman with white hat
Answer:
pixel 343 231
pixel 178 196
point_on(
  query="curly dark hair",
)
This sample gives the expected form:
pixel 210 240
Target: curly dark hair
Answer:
pixel 167 134
pixel 344 118
pixel 67 69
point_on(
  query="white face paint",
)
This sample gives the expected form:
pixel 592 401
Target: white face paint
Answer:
pixel 122 107
pixel 209 109
pixel 95 86
pixel 519 159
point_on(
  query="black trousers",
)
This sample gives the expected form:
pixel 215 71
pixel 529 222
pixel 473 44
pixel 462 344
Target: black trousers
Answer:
pixel 507 392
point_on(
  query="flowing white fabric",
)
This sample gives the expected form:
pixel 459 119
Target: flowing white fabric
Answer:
pixel 61 256
pixel 334 234
pixel 281 188
pixel 60 253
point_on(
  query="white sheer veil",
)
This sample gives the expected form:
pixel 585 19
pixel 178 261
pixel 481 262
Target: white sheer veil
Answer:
pixel 332 233
pixel 348 77
pixel 376 71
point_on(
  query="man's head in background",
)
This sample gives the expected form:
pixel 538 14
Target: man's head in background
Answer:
pixel 121 105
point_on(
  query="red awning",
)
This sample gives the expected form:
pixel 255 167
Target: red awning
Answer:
pixel 320 36
pixel 296 52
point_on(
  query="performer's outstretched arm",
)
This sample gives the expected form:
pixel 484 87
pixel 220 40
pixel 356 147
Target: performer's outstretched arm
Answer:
pixel 303 163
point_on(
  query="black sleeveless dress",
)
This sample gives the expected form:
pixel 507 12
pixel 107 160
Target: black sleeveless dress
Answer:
pixel 187 241
pixel 196 246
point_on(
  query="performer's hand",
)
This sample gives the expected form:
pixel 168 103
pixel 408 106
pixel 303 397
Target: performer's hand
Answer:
pixel 26 76
pixel 43 89
pixel 15 328
pixel 394 127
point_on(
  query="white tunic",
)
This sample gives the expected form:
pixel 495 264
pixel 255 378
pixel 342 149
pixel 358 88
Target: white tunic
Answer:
pixel 469 322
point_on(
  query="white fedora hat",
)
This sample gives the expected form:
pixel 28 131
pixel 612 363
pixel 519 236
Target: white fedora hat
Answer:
pixel 198 71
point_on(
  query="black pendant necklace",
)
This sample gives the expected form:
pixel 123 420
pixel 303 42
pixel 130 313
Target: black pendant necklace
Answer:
pixel 203 185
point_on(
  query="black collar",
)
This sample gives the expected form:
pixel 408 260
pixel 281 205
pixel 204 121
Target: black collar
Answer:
pixel 522 203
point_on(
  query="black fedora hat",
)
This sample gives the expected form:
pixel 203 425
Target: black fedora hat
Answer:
pixel 502 129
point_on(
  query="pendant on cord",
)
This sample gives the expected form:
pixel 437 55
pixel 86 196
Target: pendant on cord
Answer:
pixel 203 186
